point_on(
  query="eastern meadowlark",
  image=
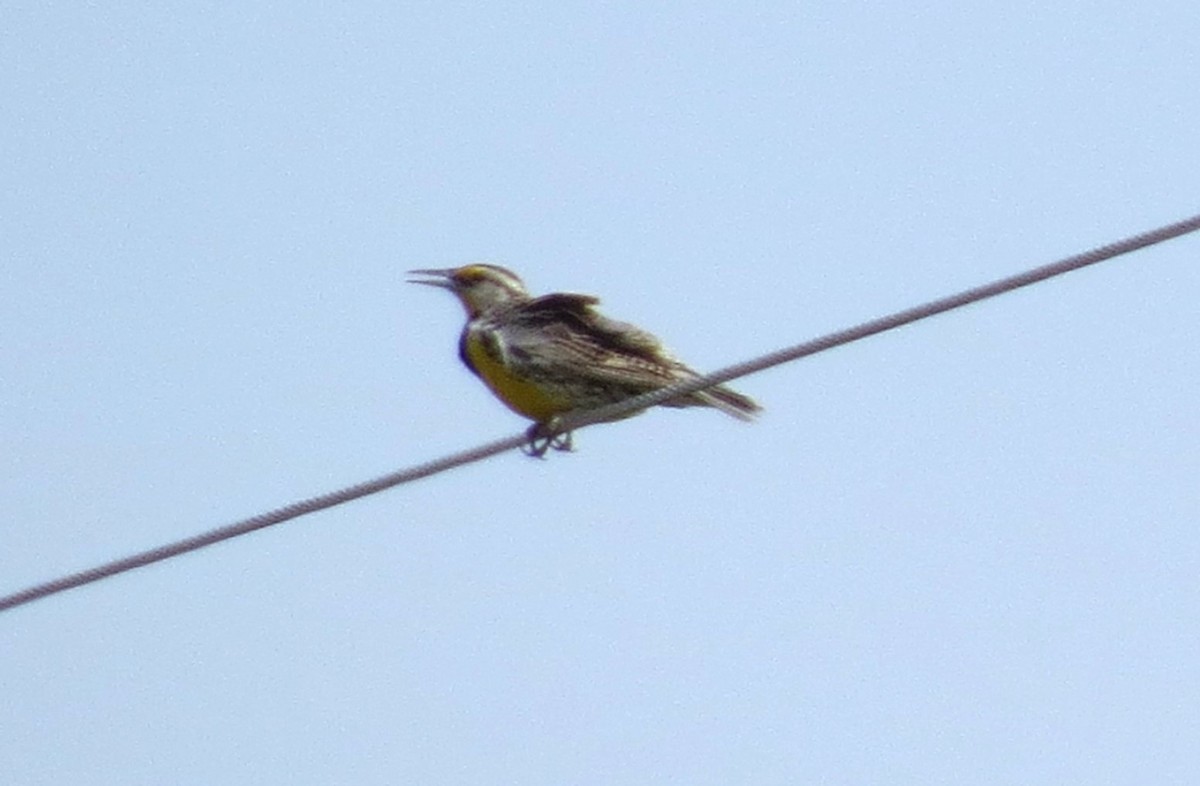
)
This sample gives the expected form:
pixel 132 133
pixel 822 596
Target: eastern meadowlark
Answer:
pixel 548 356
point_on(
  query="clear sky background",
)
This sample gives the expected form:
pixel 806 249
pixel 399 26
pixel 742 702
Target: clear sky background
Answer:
pixel 963 552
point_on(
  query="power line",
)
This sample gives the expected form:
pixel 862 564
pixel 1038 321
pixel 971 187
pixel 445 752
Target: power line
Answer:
pixel 889 322
pixel 570 423
pixel 277 516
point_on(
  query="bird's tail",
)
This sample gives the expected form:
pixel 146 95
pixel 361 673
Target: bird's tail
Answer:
pixel 728 401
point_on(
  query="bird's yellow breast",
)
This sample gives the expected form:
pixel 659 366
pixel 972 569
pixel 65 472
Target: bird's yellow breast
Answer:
pixel 523 396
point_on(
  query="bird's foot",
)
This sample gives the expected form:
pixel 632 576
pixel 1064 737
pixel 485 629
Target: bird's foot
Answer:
pixel 546 436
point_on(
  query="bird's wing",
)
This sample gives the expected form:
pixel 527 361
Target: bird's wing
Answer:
pixel 572 335
pixel 565 336
pixel 577 312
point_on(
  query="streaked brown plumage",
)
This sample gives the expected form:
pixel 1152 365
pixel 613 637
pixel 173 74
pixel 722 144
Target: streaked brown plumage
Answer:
pixel 547 356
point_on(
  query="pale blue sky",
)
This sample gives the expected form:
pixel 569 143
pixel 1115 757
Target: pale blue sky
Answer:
pixel 964 552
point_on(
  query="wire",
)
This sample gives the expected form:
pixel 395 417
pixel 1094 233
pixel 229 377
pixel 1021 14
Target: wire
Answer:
pixel 882 324
pixel 261 521
pixel 601 414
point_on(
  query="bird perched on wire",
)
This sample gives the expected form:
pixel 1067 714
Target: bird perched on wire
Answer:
pixel 548 356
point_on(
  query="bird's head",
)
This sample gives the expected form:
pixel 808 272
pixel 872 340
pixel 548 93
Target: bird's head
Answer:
pixel 478 287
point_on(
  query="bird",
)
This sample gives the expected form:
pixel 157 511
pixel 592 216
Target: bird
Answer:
pixel 553 355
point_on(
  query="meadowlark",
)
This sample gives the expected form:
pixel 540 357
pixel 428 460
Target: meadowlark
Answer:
pixel 548 356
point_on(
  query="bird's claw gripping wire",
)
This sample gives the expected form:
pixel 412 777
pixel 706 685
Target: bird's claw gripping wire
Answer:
pixel 544 436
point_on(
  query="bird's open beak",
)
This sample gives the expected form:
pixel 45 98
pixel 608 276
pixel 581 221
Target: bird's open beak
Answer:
pixel 441 278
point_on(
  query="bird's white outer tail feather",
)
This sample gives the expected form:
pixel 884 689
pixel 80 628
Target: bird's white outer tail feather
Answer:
pixel 730 402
